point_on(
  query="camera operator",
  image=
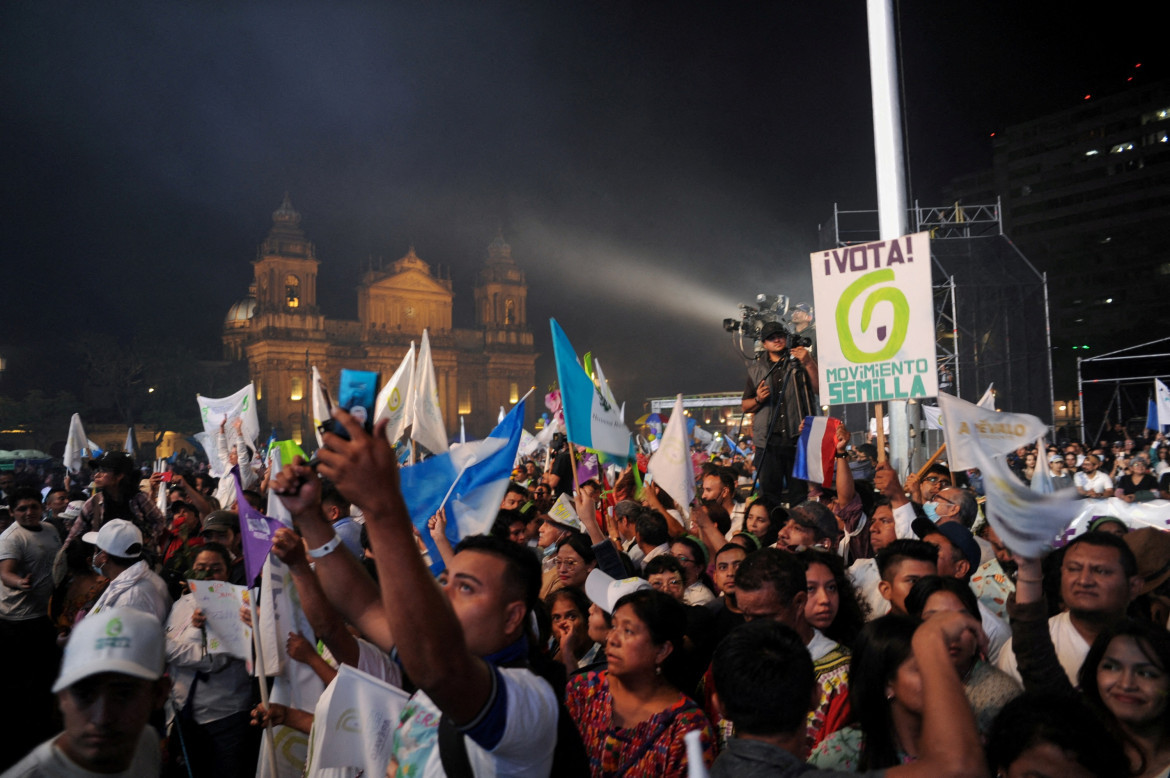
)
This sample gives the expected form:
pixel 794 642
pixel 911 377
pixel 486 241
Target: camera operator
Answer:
pixel 781 390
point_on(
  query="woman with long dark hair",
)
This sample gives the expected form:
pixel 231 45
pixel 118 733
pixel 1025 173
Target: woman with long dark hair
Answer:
pixel 832 605
pixel 885 692
pixel 632 716
pixel 1125 676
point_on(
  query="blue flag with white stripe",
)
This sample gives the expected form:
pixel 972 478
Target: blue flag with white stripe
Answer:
pixel 591 420
pixel 471 478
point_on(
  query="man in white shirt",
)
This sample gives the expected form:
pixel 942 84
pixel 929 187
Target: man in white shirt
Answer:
pixel 1090 481
pixel 111 681
pixel 132 583
pixel 1098 579
pixel 462 642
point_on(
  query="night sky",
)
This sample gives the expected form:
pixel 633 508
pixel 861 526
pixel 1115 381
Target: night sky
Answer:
pixel 651 163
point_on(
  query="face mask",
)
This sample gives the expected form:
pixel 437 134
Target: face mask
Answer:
pixel 931 511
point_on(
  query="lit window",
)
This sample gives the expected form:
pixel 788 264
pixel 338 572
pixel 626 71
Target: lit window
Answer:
pixel 298 389
pixel 292 291
pixel 464 402
pixel 1092 153
pixel 513 393
pixel 1121 148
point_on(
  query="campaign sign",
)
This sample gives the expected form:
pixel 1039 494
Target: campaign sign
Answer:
pixel 875 328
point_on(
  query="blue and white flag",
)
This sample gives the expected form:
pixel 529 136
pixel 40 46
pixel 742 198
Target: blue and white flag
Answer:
pixel 816 449
pixel 470 481
pixel 591 420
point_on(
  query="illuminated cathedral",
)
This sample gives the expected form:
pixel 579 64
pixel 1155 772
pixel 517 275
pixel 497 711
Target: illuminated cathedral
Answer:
pixel 280 333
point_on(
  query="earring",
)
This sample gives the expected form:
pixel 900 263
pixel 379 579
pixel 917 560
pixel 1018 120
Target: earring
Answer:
pixel 658 669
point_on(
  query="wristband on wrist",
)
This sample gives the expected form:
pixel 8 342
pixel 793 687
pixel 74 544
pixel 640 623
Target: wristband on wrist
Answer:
pixel 841 455
pixel 327 548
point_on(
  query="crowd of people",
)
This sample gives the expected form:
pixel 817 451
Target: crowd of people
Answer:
pixel 877 626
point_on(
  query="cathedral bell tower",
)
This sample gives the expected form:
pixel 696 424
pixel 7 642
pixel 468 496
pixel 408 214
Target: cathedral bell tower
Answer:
pixel 286 269
pixel 501 297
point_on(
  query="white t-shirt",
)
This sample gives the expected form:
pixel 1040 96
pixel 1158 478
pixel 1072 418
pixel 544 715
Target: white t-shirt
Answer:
pixel 48 761
pixel 1098 482
pixel 34 552
pixel 524 749
pixel 1071 649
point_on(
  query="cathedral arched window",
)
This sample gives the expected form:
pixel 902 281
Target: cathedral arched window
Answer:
pixel 292 291
pixel 509 311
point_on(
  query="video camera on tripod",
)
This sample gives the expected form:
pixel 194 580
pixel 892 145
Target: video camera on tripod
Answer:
pixel 768 308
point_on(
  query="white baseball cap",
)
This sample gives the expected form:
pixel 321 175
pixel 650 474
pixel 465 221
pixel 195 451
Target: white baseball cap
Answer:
pixel 113 640
pixel 118 537
pixel 605 590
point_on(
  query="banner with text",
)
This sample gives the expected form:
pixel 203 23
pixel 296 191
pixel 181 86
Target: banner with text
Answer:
pixel 878 342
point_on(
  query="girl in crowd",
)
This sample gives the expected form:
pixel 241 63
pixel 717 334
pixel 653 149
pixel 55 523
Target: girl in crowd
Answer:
pixel 692 558
pixel 987 687
pixel 631 716
pixel 832 605
pixel 885 692
pixel 1126 676
pixel 764 521
pixel 568 610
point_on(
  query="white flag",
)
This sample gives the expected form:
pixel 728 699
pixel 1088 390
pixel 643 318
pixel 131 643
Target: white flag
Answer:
pixel 931 416
pixel 606 392
pixel 131 445
pixel 319 405
pixel 296 684
pixel 988 399
pixel 969 428
pixel 1163 395
pixel 671 463
pixel 428 419
pixel 242 404
pixel 1028 522
pixel 395 400
pixel 354 722
pixel 76 444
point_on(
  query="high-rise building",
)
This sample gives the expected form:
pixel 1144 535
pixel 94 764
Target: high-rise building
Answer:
pixel 281 333
pixel 1085 194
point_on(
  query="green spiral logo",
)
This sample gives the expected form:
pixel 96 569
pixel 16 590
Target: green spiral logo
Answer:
pixel 893 337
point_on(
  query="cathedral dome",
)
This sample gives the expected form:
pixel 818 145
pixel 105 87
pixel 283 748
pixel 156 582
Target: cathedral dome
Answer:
pixel 239 314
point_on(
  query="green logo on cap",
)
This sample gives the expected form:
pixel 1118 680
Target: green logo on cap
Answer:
pixel 114 628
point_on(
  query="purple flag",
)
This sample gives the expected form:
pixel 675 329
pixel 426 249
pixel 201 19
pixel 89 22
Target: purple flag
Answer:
pixel 588 468
pixel 256 531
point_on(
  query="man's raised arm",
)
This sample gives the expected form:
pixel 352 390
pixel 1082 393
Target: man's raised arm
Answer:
pixel 345 583
pixel 430 640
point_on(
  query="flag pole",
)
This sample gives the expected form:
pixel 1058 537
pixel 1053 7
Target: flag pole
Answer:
pixel 573 462
pixel 933 458
pixel 268 736
pixel 881 433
